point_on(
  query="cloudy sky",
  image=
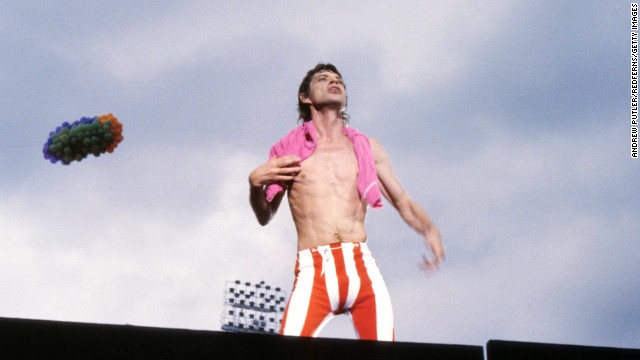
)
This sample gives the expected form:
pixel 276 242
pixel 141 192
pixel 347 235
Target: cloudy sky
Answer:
pixel 507 120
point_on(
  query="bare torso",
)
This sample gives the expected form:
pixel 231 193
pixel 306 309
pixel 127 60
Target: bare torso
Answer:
pixel 324 199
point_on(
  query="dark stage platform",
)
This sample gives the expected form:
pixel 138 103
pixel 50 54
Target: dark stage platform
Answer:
pixel 507 350
pixel 29 339
pixel 40 339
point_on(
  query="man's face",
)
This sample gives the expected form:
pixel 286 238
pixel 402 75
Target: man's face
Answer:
pixel 326 88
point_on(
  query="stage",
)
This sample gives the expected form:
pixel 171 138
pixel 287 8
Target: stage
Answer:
pixel 37 339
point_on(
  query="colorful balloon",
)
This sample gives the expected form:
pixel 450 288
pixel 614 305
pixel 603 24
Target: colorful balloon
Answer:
pixel 73 142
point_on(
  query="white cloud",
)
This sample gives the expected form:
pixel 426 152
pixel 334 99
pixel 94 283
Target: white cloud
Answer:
pixel 414 42
pixel 90 255
pixel 525 257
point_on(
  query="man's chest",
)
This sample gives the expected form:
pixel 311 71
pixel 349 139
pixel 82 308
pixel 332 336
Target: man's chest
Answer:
pixel 331 163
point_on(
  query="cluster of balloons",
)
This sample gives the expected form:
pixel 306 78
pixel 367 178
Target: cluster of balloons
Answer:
pixel 86 136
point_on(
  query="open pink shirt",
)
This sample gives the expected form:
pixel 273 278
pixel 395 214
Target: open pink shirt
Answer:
pixel 302 142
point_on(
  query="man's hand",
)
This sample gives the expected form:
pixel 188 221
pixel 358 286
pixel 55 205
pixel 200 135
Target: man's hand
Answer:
pixel 281 169
pixel 275 170
pixel 434 243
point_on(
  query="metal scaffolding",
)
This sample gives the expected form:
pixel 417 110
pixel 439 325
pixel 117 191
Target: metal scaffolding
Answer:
pixel 252 308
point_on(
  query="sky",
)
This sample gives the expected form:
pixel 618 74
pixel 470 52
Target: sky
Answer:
pixel 508 121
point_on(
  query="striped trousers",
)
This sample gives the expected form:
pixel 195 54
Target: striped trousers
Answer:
pixel 335 279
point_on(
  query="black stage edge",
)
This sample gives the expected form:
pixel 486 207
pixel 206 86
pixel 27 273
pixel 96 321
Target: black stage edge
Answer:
pixel 41 339
pixel 507 350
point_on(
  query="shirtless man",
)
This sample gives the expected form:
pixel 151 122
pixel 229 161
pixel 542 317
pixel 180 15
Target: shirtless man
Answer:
pixel 321 165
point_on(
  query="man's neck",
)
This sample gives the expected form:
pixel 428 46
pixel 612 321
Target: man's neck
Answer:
pixel 328 124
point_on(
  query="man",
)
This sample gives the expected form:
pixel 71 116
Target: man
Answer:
pixel 331 173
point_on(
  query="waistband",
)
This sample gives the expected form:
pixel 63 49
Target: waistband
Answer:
pixel 326 252
pixel 334 246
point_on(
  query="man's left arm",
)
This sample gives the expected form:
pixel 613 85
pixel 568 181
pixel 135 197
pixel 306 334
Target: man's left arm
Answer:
pixel 412 213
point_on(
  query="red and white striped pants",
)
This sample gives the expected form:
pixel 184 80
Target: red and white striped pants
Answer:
pixel 336 279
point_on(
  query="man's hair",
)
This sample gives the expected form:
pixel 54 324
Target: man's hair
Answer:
pixel 304 110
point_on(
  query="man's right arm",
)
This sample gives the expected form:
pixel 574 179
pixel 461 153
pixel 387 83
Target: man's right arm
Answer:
pixel 263 209
pixel 282 169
